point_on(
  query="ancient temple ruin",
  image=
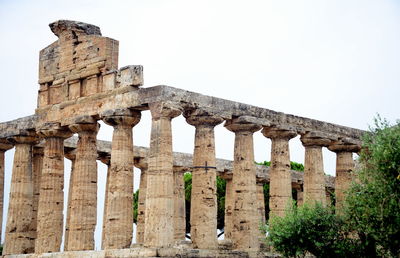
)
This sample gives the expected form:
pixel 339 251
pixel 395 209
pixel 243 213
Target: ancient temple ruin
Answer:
pixel 80 84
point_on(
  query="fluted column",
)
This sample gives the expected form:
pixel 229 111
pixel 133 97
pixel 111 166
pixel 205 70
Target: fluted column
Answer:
pixel 83 209
pixel 71 155
pixel 314 176
pixel 4 146
pixel 245 214
pixel 159 212
pixel 37 167
pixel 51 198
pixel 229 203
pixel 280 190
pixel 179 205
pixel 344 166
pixel 203 209
pixel 140 225
pixel 19 236
pixel 118 227
pixel 261 208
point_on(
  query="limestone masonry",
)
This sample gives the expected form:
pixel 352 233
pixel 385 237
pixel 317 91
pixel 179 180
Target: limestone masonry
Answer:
pixel 81 84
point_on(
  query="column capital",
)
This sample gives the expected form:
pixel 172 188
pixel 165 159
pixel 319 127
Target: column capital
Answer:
pixel 86 123
pixel 315 139
pixel 141 163
pixel 198 117
pixel 26 137
pixel 237 126
pixel 278 133
pixel 53 129
pixel 105 158
pixel 121 117
pixel 165 110
pixel 345 145
pixel 5 145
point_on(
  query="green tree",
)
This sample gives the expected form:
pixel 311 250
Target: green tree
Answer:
pixel 373 203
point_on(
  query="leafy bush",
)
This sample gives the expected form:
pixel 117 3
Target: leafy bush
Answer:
pixel 314 229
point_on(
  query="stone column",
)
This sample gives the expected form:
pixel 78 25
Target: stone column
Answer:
pixel 229 203
pixel 299 194
pixel 314 176
pixel 344 166
pixel 159 231
pixel 83 205
pixel 245 214
pixel 261 206
pixel 51 198
pixel 203 209
pixel 71 155
pixel 19 237
pixel 4 146
pixel 140 224
pixel 179 205
pixel 37 168
pixel 118 226
pixel 280 177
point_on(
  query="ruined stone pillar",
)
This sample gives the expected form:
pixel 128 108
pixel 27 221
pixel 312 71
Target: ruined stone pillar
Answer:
pixel 4 146
pixel 344 166
pixel 118 226
pixel 37 172
pixel 261 207
pixel 245 214
pixel 179 205
pixel 19 237
pixel 299 195
pixel 71 155
pixel 51 198
pixel 314 176
pixel 106 160
pixel 159 231
pixel 203 209
pixel 83 209
pixel 280 190
pixel 140 224
pixel 229 203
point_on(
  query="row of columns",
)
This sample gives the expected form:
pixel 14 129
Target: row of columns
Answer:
pixel 161 212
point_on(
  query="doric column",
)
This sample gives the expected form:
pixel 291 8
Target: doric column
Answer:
pixel 37 167
pixel 19 236
pixel 280 186
pixel 203 209
pixel 4 146
pixel 229 203
pixel 159 231
pixel 51 198
pixel 245 214
pixel 299 194
pixel 261 207
pixel 118 226
pixel 83 209
pixel 179 205
pixel 71 155
pixel 141 163
pixel 314 176
pixel 344 166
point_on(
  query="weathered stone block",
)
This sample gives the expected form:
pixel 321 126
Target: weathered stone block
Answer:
pixel 131 75
pixel 74 89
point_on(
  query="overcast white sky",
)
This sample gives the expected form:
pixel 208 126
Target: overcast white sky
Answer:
pixel 336 61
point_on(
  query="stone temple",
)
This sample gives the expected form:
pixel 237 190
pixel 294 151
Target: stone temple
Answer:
pixel 80 84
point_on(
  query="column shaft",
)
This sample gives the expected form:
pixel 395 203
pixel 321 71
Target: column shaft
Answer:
pixel 314 177
pixel 179 206
pixel 37 171
pixel 119 212
pixel 159 231
pixel 103 232
pixel 19 238
pixel 3 148
pixel 70 156
pixel 203 214
pixel 261 206
pixel 51 200
pixel 83 209
pixel 229 203
pixel 344 166
pixel 140 226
